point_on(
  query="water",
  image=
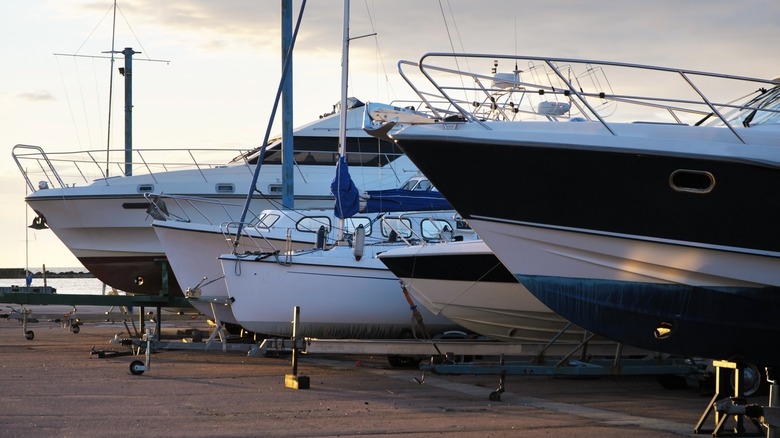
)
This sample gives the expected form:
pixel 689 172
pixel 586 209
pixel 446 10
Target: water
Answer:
pixel 68 286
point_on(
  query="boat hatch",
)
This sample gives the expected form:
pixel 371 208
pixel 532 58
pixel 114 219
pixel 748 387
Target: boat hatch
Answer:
pixel 225 188
pixel 692 181
pixel 145 188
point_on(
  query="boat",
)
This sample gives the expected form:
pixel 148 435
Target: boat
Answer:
pixel 192 247
pixel 633 203
pixel 103 219
pixel 466 283
pixel 343 290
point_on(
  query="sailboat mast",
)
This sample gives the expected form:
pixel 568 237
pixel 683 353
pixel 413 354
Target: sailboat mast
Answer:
pixel 344 78
pixel 343 105
pixel 110 91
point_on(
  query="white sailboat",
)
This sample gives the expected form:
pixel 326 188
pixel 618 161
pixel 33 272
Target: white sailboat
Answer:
pixel 343 291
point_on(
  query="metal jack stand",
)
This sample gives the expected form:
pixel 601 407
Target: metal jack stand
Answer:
pixel 28 334
pixel 727 407
pixel 293 380
pixel 774 399
pixel 138 367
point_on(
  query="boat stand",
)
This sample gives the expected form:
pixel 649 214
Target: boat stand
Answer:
pixel 725 407
pixel 293 380
pixel 578 368
pixel 218 332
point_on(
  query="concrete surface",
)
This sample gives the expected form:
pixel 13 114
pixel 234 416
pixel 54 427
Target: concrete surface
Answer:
pixel 53 386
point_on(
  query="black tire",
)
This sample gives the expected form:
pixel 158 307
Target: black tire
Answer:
pixel 137 367
pixel 754 380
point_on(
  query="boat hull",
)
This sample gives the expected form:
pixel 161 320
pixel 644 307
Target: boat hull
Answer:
pixel 192 251
pixel 578 212
pixel 738 324
pixel 466 283
pixel 124 251
pixel 339 297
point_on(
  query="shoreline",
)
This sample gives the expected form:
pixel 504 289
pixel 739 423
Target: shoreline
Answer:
pixel 14 273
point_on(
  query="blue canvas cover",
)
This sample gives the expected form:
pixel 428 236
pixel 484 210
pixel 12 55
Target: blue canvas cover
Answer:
pixel 404 200
pixel 347 195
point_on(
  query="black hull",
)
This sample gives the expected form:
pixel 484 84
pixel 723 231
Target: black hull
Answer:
pixel 458 267
pixel 605 191
pixel 123 273
pixel 715 323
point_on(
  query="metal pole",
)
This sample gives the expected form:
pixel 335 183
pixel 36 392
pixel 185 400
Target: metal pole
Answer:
pixel 128 74
pixel 296 315
pixel 288 178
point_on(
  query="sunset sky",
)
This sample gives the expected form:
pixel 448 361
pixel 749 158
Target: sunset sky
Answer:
pixel 215 66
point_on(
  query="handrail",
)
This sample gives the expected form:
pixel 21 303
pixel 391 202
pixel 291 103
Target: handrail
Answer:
pixel 44 159
pixel 568 88
pixel 71 168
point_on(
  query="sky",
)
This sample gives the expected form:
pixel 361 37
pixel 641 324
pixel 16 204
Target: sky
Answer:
pixel 208 71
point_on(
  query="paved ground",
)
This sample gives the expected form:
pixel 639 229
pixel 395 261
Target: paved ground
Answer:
pixel 53 386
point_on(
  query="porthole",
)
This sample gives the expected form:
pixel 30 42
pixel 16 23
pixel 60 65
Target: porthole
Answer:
pixel 692 181
pixel 225 188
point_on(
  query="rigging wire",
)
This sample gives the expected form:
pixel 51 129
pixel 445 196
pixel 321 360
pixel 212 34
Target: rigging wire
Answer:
pixel 449 37
pixel 388 85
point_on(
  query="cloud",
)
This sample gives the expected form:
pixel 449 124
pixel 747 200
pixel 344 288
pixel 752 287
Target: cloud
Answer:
pixel 37 96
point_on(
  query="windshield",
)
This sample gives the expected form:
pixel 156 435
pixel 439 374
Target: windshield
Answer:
pixel 764 109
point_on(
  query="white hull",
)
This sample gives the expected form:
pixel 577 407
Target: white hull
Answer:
pixel 503 310
pixel 339 297
pixel 561 253
pixel 193 249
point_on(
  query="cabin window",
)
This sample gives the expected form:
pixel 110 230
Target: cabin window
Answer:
pixel 351 224
pixel 402 227
pixel 145 188
pixel 310 224
pixel 274 189
pixel 267 220
pixel 692 181
pixel 435 229
pixel 361 151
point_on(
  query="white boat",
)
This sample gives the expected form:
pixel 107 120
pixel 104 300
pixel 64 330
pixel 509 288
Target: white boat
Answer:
pixel 192 247
pixel 637 204
pixel 466 283
pixel 103 220
pixel 343 291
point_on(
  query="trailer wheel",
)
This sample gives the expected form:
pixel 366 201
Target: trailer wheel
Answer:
pixel 29 335
pixel 137 367
pixel 754 381
pixel 495 396
pixel 75 328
